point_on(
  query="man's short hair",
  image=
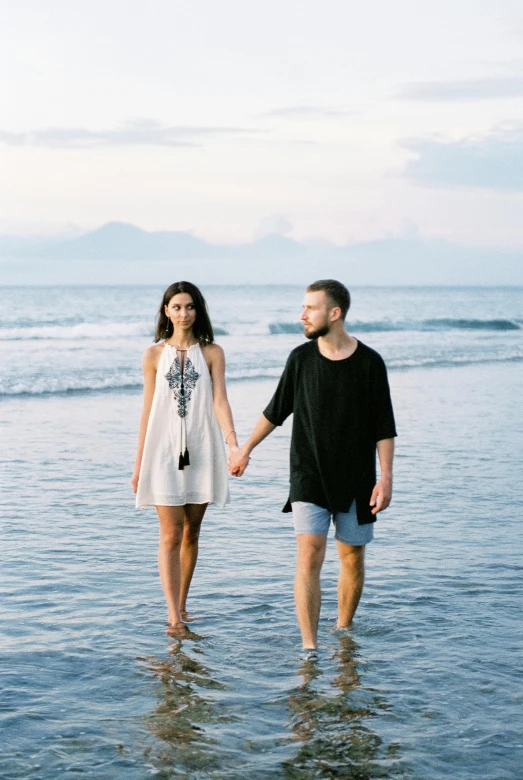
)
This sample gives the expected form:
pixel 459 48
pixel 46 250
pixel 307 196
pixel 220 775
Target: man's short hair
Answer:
pixel 336 291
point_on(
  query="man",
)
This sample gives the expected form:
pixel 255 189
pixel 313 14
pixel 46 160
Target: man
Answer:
pixel 337 389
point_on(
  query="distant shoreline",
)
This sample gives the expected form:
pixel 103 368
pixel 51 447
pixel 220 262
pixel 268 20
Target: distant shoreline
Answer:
pixel 264 285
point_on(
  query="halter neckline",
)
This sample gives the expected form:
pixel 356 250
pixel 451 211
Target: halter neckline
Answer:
pixel 179 349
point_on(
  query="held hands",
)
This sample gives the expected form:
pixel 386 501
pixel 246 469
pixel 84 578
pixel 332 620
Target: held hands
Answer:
pixel 238 461
pixel 381 495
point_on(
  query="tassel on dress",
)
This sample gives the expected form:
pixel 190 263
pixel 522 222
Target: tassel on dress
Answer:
pixel 183 459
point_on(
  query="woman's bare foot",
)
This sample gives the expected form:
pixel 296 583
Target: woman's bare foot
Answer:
pixel 178 629
pixel 185 616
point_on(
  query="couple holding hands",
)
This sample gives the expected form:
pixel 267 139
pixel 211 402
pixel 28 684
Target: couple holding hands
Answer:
pixel 337 389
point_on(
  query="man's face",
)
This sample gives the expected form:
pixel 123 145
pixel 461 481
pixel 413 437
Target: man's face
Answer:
pixel 315 316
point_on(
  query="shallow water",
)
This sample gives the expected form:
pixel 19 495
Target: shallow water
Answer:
pixel 427 685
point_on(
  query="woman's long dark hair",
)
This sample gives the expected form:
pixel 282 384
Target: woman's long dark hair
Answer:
pixel 202 327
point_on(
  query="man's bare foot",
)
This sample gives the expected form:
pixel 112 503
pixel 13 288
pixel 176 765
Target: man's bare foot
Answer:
pixel 178 629
pixel 336 629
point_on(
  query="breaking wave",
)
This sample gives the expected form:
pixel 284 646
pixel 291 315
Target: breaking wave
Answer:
pixel 53 386
pixel 385 326
pixel 83 330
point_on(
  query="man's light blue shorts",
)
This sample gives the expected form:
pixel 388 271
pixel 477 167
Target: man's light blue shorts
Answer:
pixel 313 519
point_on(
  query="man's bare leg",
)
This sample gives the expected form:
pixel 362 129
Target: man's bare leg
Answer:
pixel 350 583
pixel 307 590
pixel 189 551
pixel 171 532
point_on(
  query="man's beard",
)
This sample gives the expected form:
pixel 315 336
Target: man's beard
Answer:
pixel 315 334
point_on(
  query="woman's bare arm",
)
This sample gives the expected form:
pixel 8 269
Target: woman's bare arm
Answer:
pixel 150 365
pixel 222 407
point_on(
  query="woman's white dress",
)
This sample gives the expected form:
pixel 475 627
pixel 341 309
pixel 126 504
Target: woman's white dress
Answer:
pixel 182 418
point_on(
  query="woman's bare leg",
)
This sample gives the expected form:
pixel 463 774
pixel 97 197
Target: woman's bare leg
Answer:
pixel 171 533
pixel 189 551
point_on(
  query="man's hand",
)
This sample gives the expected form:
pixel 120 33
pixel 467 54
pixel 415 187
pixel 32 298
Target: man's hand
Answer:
pixel 381 495
pixel 238 461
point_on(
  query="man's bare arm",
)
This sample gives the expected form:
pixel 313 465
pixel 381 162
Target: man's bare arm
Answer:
pixel 382 493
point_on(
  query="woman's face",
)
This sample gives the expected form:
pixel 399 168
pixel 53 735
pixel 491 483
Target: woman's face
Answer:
pixel 181 311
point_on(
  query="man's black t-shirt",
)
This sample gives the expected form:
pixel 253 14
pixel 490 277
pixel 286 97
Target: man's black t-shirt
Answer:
pixel 341 409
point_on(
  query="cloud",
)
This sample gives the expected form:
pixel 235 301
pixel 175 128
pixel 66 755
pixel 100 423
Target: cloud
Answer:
pixel 309 112
pixel 493 162
pixel 471 89
pixel 274 224
pixel 137 132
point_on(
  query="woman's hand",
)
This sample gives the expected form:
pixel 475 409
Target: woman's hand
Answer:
pixel 233 449
pixel 134 480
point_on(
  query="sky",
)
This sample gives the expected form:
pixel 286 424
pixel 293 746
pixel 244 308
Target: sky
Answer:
pixel 335 120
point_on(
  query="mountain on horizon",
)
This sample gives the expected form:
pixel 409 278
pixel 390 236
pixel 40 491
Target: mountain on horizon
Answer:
pixel 118 252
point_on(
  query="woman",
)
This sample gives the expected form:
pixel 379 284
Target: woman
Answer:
pixel 181 464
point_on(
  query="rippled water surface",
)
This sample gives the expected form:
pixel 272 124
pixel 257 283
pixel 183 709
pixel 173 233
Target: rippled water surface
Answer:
pixel 429 682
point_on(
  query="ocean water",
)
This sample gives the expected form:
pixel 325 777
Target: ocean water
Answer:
pixel 429 682
pixel 61 339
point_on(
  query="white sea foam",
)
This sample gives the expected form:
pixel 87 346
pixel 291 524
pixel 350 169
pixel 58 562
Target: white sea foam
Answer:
pixel 131 381
pixel 64 385
pixel 84 330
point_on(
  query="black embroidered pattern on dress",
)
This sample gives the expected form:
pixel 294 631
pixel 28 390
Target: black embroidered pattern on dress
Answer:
pixel 182 385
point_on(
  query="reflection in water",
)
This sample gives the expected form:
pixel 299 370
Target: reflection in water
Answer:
pixel 332 726
pixel 179 719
